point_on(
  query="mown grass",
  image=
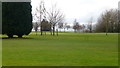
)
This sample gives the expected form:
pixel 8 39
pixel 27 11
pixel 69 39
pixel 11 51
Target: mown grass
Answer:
pixel 67 49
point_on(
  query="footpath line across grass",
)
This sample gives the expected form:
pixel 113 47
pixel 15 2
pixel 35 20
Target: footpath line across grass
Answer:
pixel 67 49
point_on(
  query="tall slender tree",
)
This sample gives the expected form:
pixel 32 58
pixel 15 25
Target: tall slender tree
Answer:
pixel 40 14
pixel 55 16
pixel 90 24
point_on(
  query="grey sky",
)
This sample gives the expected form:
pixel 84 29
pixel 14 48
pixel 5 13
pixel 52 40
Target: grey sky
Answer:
pixel 81 10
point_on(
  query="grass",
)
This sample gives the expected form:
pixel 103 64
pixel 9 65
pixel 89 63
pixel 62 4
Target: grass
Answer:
pixel 0 52
pixel 67 49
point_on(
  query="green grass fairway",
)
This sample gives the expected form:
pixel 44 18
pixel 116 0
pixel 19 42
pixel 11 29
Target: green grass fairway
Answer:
pixel 67 49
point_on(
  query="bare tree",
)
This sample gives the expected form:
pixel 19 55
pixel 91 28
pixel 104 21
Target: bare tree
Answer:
pixel 89 26
pixel 108 21
pixel 55 16
pixel 40 13
pixel 76 26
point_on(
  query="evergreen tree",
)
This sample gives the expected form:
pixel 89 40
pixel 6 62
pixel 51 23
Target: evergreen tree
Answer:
pixel 16 18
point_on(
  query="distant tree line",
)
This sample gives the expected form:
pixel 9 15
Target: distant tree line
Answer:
pixel 107 22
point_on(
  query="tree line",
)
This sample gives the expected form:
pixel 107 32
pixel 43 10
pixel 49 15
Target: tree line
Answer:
pixel 107 22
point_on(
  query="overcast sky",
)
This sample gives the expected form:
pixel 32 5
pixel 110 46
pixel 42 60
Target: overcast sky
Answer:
pixel 81 10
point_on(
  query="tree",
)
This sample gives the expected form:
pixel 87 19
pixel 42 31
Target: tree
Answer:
pixel 118 25
pixel 40 13
pixel 89 26
pixel 108 21
pixel 16 18
pixel 76 26
pixel 46 26
pixel 55 16
pixel 36 26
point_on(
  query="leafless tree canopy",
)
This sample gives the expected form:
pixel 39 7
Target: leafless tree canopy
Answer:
pixel 108 21
pixel 76 26
pixel 55 16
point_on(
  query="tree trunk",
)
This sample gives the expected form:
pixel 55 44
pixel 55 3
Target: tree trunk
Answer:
pixel 36 32
pixel 53 30
pixel 41 32
pixel 41 29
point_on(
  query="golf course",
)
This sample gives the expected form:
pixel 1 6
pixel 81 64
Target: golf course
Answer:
pixel 66 49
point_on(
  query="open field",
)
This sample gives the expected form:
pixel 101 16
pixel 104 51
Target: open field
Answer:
pixel 67 49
